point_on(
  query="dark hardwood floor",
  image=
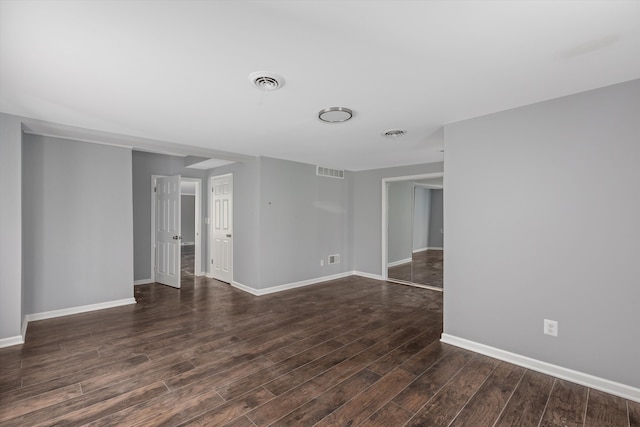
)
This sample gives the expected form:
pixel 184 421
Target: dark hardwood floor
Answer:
pixel 351 352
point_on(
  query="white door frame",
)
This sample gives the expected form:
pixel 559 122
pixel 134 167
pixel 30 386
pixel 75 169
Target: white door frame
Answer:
pixel 385 210
pixel 210 219
pixel 198 246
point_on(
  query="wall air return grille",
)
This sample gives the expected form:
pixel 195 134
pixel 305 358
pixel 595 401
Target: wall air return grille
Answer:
pixel 334 259
pixel 331 173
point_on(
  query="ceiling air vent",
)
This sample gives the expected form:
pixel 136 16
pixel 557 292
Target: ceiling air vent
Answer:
pixel 331 173
pixel 394 133
pixel 266 80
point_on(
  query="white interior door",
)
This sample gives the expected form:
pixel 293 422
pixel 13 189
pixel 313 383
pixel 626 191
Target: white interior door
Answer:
pixel 222 228
pixel 168 231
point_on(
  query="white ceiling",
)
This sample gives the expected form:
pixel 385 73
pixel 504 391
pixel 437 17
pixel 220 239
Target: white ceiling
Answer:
pixel 177 71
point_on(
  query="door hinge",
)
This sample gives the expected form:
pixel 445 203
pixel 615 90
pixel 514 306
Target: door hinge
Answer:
pixel 211 260
pixel 155 189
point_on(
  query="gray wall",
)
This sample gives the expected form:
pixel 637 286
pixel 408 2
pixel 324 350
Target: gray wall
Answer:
pixel 421 213
pixel 188 218
pixel 10 226
pixel 77 226
pixel 144 166
pixel 436 235
pixel 304 218
pixel 400 220
pixel 542 214
pixel 365 206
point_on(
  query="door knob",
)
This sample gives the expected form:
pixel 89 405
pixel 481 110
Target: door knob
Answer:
pixel 228 235
pixel 177 237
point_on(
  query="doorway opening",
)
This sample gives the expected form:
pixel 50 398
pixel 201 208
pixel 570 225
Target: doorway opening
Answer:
pixel 412 230
pixel 188 229
pixel 189 235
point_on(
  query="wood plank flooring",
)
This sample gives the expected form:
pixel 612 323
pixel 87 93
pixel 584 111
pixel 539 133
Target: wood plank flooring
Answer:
pixel 348 352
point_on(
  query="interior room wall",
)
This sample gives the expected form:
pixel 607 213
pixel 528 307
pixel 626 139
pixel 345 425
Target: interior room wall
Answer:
pixel 144 166
pixel 77 225
pixel 541 209
pixel 421 213
pixel 436 225
pixel 366 210
pixel 400 219
pixel 304 219
pixel 11 305
pixel 188 218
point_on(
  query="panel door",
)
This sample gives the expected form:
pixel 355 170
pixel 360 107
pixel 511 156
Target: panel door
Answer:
pixel 222 228
pixel 168 231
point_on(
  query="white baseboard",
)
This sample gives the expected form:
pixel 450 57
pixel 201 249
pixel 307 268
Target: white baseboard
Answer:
pixel 77 310
pixel 143 281
pixel 368 275
pixel 420 250
pixel 23 330
pixel 8 342
pixel 435 248
pixel 402 261
pixel 287 286
pixel 245 288
pixel 577 377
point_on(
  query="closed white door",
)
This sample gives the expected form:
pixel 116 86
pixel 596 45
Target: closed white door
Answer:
pixel 168 231
pixel 222 228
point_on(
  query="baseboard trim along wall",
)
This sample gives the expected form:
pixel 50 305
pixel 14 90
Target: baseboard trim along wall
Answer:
pixel 402 261
pixel 287 286
pixel 577 377
pixel 368 275
pixel 73 310
pixel 8 342
pixel 280 288
pixel 143 281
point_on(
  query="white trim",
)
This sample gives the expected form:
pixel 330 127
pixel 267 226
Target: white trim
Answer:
pixel 287 286
pixel 238 285
pixel 587 380
pixel 25 323
pixel 415 285
pixel 429 248
pixel 8 342
pixel 402 261
pixel 385 203
pixel 79 309
pixel 143 281
pixel 368 275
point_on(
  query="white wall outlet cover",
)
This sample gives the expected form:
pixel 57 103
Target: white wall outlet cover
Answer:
pixel 551 327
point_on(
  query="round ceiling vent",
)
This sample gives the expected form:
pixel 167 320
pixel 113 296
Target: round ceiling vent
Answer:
pixel 394 133
pixel 265 80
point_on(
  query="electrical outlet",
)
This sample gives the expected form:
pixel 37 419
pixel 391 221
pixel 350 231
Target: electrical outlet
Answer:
pixel 551 327
pixel 322 262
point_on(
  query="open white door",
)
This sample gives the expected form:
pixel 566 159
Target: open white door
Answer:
pixel 168 231
pixel 222 228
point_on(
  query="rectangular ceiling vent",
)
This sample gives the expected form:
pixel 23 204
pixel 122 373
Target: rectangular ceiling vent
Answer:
pixel 331 173
pixel 334 259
